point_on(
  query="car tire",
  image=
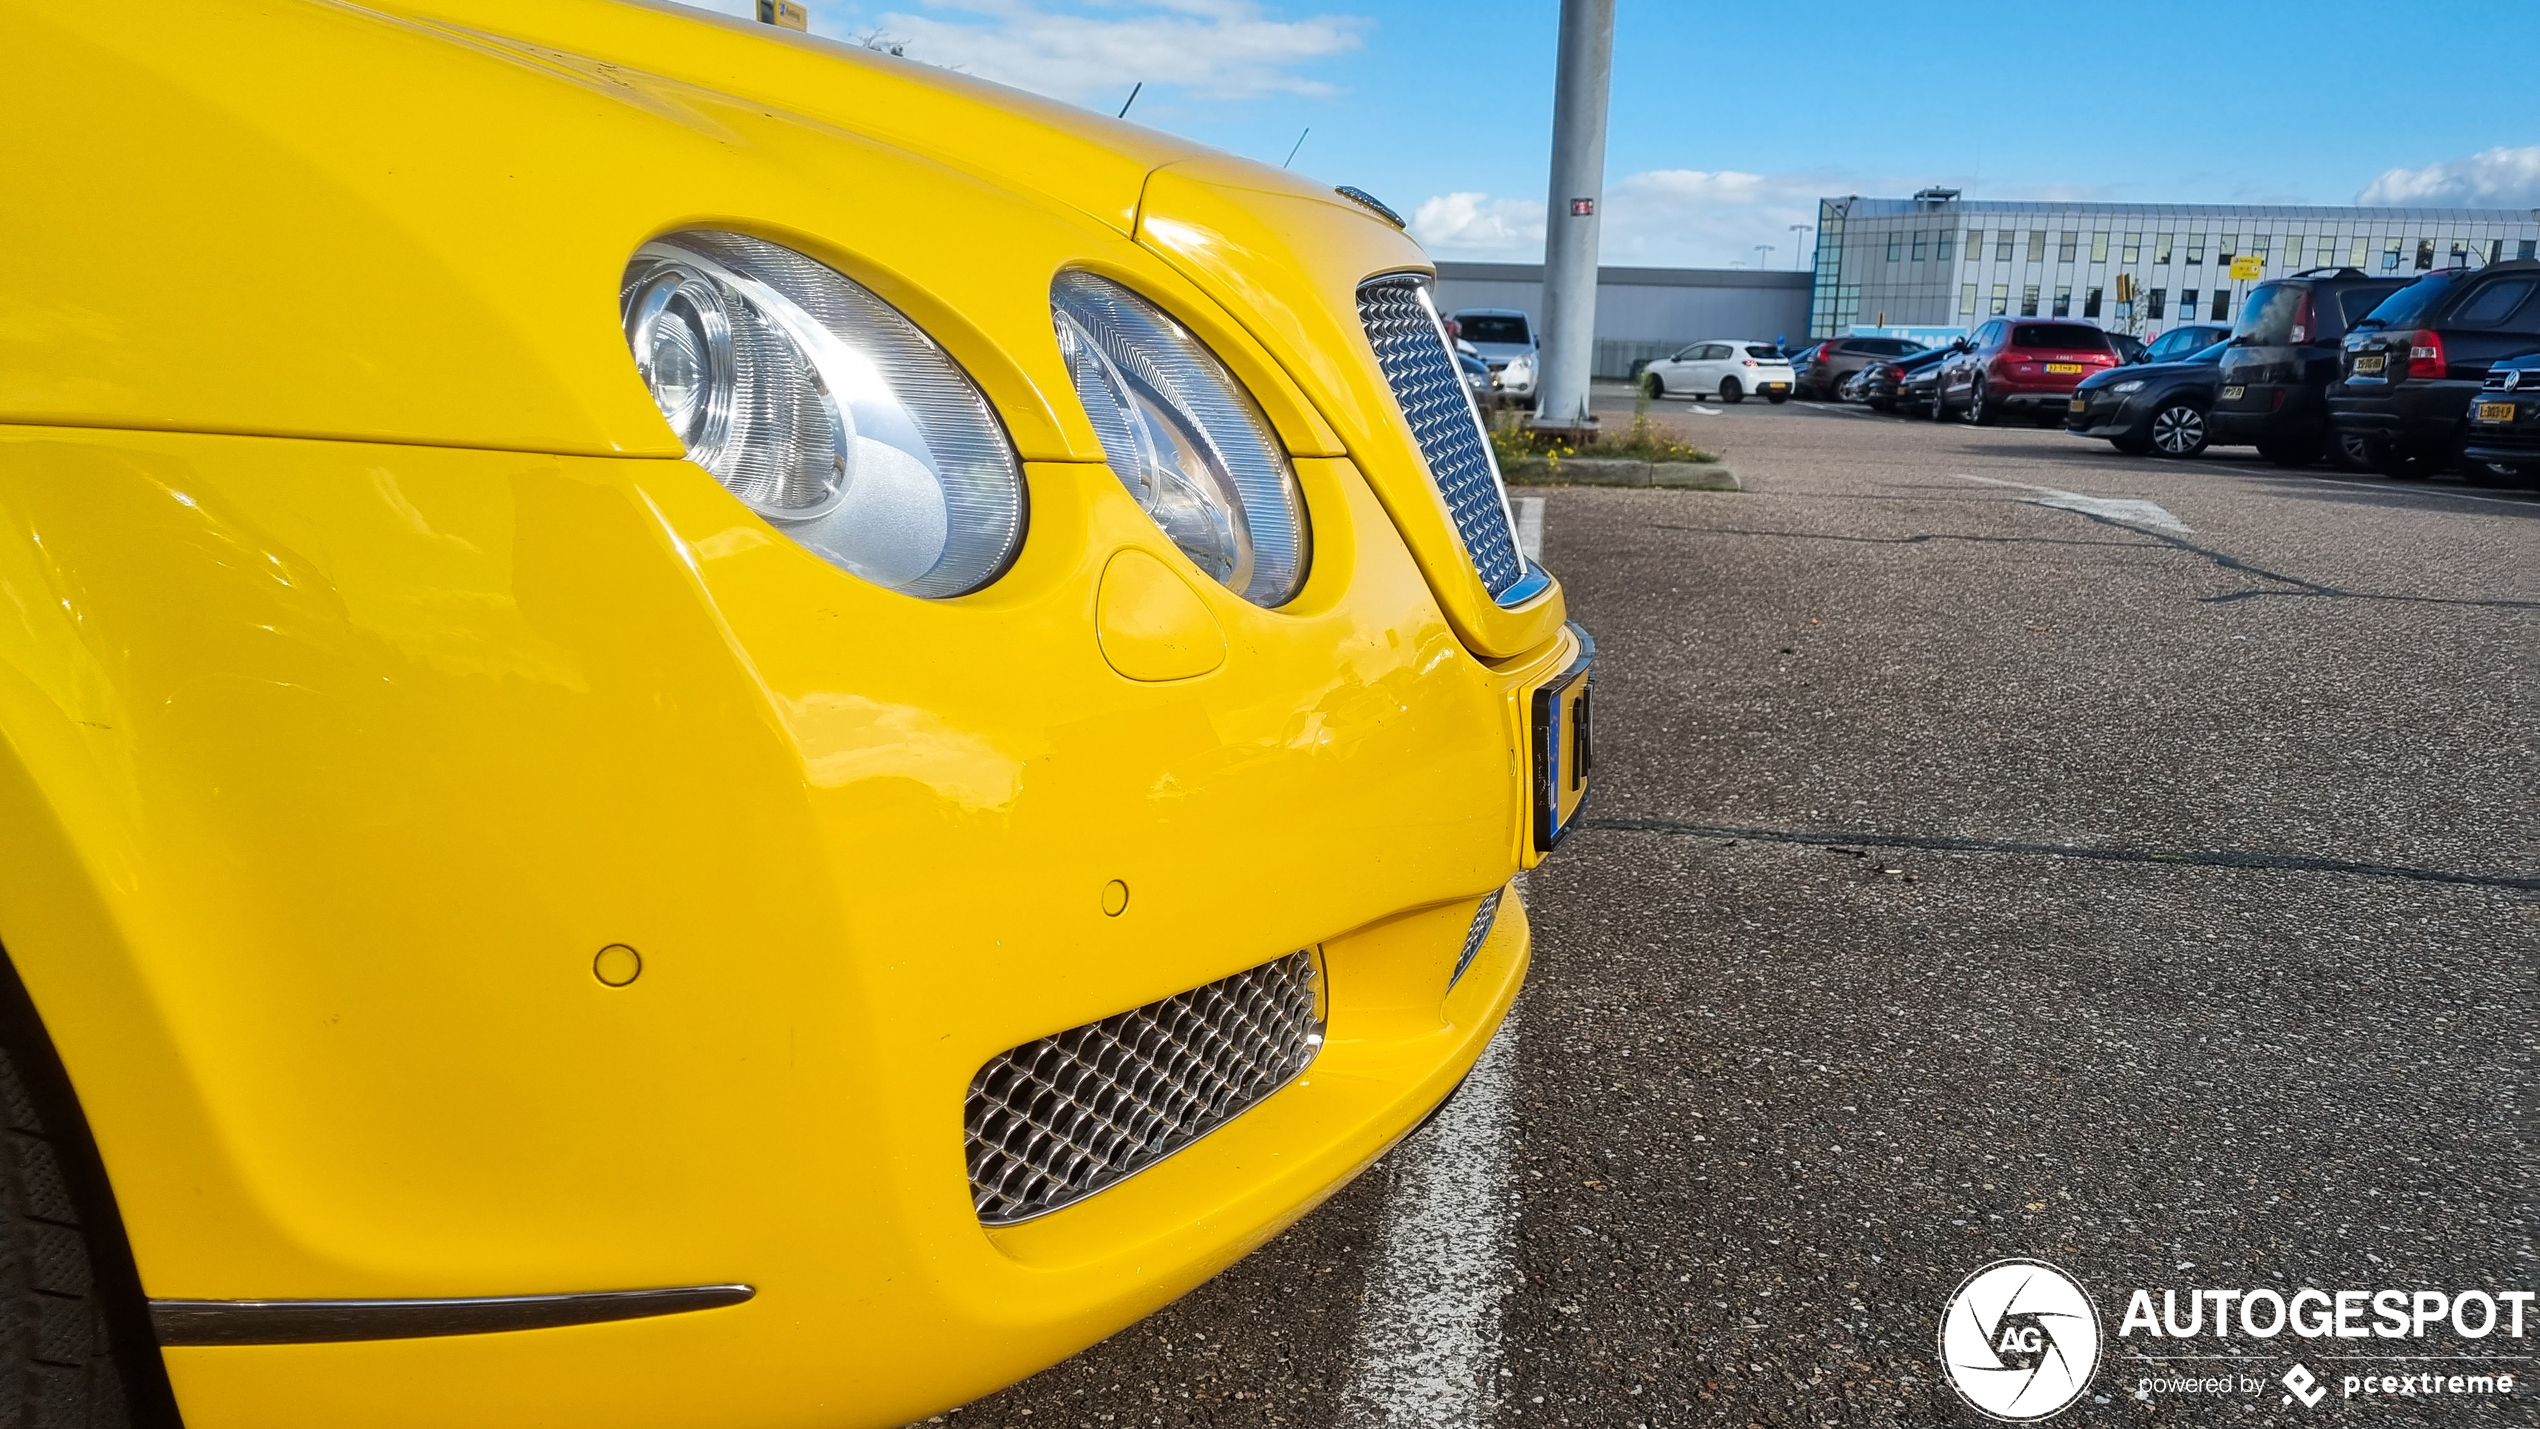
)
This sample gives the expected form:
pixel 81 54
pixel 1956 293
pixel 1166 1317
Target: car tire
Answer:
pixel 2132 446
pixel 1730 391
pixel 2403 463
pixel 2291 452
pixel 1652 386
pixel 2353 453
pixel 2178 430
pixel 1939 403
pixel 1980 411
pixel 75 1343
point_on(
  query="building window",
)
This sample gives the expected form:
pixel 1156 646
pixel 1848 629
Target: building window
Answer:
pixel 2067 245
pixel 1975 244
pixel 2495 249
pixel 2063 302
pixel 1945 238
pixel 2090 300
pixel 2098 248
pixel 2002 245
pixel 2425 254
pixel 2001 299
pixel 2037 245
pixel 2161 248
pixel 1895 246
pixel 2390 255
pixel 2196 248
pixel 1921 242
pixel 2028 301
pixel 1967 300
pixel 2526 247
pixel 2258 245
pixel 2222 305
pixel 2133 248
pixel 2327 253
pixel 2226 248
pixel 2187 303
pixel 2355 251
pixel 2152 303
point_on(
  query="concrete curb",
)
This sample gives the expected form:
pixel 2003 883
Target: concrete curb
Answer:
pixel 1613 471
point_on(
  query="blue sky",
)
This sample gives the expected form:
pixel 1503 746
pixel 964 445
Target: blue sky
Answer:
pixel 1728 122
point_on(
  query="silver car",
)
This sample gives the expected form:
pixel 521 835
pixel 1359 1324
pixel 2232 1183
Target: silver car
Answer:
pixel 1506 340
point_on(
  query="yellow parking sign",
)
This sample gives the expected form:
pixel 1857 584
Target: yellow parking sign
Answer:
pixel 2246 266
pixel 784 12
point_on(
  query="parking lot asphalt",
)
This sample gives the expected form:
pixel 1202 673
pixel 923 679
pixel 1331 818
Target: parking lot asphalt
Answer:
pixel 2000 847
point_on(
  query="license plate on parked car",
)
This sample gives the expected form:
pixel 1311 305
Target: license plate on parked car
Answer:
pixel 2495 411
pixel 2081 404
pixel 2369 362
pixel 2234 394
pixel 1562 729
pixel 2063 367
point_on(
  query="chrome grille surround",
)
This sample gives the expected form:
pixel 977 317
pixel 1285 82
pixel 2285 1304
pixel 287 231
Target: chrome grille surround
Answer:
pixel 1402 326
pixel 1484 918
pixel 1055 1120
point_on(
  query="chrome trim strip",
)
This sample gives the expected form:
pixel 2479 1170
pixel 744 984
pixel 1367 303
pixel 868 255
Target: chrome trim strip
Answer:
pixel 302 1322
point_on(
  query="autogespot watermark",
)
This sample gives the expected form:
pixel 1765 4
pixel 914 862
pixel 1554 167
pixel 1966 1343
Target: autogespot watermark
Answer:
pixel 2021 1340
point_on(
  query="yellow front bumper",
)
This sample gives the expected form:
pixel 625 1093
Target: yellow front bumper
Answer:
pixel 330 766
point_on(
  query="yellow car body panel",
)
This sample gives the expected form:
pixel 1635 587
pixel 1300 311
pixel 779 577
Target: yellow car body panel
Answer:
pixel 370 659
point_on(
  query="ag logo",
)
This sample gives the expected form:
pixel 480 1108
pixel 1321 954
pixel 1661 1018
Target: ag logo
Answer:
pixel 2019 1340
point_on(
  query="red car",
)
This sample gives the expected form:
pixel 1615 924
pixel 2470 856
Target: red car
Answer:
pixel 2020 365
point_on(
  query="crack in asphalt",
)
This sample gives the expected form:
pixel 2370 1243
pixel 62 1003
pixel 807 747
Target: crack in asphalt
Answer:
pixel 2101 853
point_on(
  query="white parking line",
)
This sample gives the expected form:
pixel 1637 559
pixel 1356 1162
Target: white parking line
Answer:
pixel 1429 1334
pixel 1529 510
pixel 2124 510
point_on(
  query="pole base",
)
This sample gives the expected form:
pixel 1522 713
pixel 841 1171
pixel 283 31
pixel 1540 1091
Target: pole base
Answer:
pixel 1581 432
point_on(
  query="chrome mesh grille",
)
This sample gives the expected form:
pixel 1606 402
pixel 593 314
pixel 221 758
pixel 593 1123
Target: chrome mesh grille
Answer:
pixel 1411 349
pixel 1055 1120
pixel 1475 936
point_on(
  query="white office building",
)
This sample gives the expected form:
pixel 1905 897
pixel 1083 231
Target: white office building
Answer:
pixel 1937 261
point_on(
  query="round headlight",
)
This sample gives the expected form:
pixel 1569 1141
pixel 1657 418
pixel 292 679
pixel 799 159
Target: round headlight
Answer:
pixel 1184 437
pixel 825 411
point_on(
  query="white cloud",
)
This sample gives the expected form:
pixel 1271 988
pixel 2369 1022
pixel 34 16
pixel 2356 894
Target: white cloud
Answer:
pixel 1092 51
pixel 1694 217
pixel 1476 223
pixel 2492 178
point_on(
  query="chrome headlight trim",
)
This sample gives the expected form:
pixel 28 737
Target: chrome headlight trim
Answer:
pixel 825 411
pixel 1184 437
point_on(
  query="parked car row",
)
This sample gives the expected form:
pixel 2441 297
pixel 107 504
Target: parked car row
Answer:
pixel 2406 377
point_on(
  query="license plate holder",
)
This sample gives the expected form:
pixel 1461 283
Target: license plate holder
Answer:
pixel 2495 411
pixel 2063 367
pixel 2234 393
pixel 1561 729
pixel 2370 362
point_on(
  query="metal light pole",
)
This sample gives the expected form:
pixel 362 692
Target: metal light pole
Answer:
pixel 1584 72
pixel 1763 255
pixel 1799 250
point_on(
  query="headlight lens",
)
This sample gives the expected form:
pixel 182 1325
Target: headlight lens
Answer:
pixel 825 411
pixel 1184 437
pixel 2127 387
pixel 1521 369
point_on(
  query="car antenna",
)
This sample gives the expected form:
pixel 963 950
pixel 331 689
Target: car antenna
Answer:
pixel 1132 99
pixel 1292 148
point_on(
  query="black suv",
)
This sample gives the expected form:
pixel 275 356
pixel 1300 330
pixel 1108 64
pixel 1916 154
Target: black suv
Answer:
pixel 2413 366
pixel 2504 421
pixel 2284 355
pixel 1825 367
